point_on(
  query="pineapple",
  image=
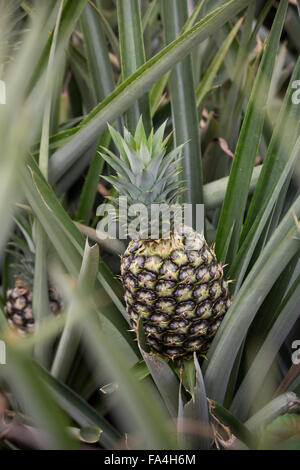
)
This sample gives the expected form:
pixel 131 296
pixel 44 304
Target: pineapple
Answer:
pixel 174 285
pixel 18 307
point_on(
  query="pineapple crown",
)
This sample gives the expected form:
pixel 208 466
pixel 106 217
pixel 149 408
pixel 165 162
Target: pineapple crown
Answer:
pixel 12 17
pixel 24 270
pixel 145 172
pixel 22 250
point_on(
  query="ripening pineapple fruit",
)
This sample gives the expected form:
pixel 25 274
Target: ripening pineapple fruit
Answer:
pixel 18 307
pixel 175 285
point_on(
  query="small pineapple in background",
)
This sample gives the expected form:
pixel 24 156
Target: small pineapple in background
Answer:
pixel 175 285
pixel 18 307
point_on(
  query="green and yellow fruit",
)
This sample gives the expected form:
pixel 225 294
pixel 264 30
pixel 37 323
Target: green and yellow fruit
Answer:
pixel 175 285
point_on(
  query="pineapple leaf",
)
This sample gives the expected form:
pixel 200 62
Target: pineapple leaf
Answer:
pixel 238 187
pixel 161 372
pixel 97 54
pixel 278 252
pixel 136 85
pixel 89 190
pixel 117 164
pixel 132 57
pixel 158 139
pixel 240 265
pixel 287 315
pixel 279 151
pixel 82 413
pixel 184 105
pixel 236 426
pixel 287 402
pixel 69 243
pixel 140 134
pixel 196 410
pixel 70 338
pixel 118 141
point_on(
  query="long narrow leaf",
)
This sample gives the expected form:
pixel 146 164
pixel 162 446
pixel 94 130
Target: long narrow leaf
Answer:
pixel 277 253
pixel 82 413
pixel 70 338
pixel 279 150
pixel 132 57
pixel 286 402
pixel 135 86
pixel 70 15
pixel 246 152
pixel 193 422
pixel 184 109
pixel 263 360
pixel 69 243
pixel 210 74
pixel 100 67
pixel 40 303
pixel 244 255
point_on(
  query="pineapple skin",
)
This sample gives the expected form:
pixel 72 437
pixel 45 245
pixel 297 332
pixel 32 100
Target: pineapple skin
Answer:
pixel 18 308
pixel 177 288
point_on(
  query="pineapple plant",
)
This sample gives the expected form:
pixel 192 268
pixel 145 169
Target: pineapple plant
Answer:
pixel 174 285
pixel 18 306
